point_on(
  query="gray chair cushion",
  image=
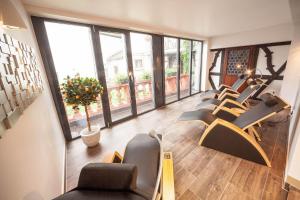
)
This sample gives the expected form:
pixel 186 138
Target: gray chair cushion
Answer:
pixel 144 152
pixel 239 82
pixel 134 179
pixel 258 112
pixel 208 103
pixel 247 93
pixel 204 115
pixel 108 176
pixel 99 195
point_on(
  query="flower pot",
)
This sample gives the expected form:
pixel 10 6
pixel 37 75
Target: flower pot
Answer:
pixel 90 138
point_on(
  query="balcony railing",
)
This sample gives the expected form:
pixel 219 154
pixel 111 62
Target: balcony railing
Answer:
pixel 119 97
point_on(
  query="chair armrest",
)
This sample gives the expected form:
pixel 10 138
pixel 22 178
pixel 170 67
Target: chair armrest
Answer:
pixel 168 189
pixel 229 103
pixel 228 96
pixel 227 91
pixel 117 158
pixel 108 176
pixel 225 113
pixel 222 87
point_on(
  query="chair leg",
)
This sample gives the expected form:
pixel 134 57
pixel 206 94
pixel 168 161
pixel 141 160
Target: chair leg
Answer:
pixel 255 133
pixel 259 124
pixel 250 132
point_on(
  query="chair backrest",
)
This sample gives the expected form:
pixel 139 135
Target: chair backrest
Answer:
pixel 144 152
pixel 239 82
pixel 247 93
pixel 261 111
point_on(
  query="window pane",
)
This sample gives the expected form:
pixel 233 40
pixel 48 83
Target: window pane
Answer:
pixel 72 53
pixel 114 56
pixel 185 48
pixel 196 66
pixel 141 47
pixel 171 68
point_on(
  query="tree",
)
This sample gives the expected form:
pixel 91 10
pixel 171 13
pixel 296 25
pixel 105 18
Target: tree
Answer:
pixel 81 91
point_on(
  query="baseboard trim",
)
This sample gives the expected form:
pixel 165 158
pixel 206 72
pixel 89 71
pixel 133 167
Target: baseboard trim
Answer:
pixel 293 182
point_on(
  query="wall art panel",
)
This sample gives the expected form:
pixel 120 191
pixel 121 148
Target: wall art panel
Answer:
pixel 20 80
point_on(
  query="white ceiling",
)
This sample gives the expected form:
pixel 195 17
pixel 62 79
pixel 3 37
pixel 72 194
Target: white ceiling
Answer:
pixel 200 17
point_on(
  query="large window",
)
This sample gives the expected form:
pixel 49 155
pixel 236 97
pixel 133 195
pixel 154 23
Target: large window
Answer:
pixel 196 66
pixel 72 53
pixel 116 72
pixel 129 65
pixel 185 67
pixel 171 68
pixel 141 48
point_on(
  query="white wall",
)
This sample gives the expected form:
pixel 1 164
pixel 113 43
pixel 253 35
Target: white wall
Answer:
pixel 292 173
pixel 205 66
pixel 266 35
pixel 292 72
pixel 289 90
pixel 32 152
pixel 280 33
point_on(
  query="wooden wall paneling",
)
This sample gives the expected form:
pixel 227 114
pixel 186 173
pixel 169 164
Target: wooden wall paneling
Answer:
pixel 222 63
pixel 245 56
pixel 223 69
pixel 275 75
pixel 252 64
pixel 217 54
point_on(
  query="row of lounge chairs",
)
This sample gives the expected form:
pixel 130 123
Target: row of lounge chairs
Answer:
pixel 231 122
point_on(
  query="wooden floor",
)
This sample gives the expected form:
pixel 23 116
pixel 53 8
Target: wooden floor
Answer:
pixel 200 173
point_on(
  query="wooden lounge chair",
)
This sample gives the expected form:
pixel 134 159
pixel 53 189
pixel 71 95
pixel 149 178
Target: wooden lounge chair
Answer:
pixel 237 84
pixel 240 99
pixel 144 173
pixel 233 133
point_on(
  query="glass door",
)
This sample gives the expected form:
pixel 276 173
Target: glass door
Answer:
pixel 72 52
pixel 115 61
pixel 142 60
pixel 196 66
pixel 171 69
pixel 185 63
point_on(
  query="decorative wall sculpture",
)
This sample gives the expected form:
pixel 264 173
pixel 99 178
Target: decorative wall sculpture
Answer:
pixel 20 80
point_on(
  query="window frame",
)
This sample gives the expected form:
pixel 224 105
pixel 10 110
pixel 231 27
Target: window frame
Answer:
pixel 178 68
pixel 44 47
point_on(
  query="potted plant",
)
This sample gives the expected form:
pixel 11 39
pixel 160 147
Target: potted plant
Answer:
pixel 79 91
